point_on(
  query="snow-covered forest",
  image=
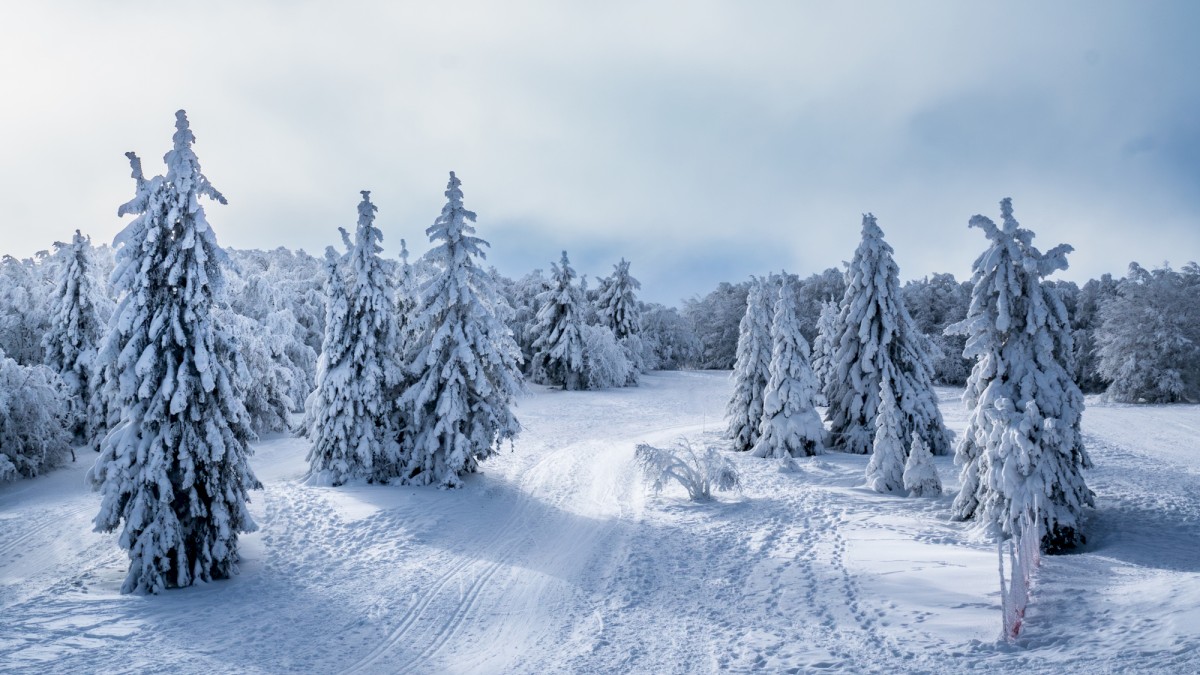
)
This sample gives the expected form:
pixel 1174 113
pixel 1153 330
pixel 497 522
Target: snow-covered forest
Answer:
pixel 318 422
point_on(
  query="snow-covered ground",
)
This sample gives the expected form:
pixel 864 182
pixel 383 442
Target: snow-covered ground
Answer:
pixel 556 559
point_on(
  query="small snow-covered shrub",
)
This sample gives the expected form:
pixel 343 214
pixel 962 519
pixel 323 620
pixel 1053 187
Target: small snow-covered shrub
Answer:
pixel 605 363
pixel 920 475
pixel 33 412
pixel 699 473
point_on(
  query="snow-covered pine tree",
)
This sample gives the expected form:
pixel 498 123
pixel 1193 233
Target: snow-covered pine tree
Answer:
pixel 558 349
pixel 791 426
pixel 75 331
pixel 823 345
pixel 874 329
pixel 885 471
pixel 331 392
pixel 1022 447
pixel 920 475
pixel 753 368
pixel 468 367
pixel 617 302
pixel 619 310
pixel 354 430
pixel 175 469
pixel 407 299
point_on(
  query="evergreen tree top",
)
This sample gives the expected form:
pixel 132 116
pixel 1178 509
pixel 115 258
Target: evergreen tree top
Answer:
pixel 452 226
pixel 870 227
pixel 562 269
pixel 368 236
pixel 1018 243
pixel 183 167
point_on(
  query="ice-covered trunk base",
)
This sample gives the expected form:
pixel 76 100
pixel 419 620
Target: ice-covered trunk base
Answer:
pixel 1024 556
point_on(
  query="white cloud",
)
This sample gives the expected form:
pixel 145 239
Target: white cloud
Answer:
pixel 702 140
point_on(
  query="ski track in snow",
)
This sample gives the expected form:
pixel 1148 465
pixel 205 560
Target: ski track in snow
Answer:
pixel 557 559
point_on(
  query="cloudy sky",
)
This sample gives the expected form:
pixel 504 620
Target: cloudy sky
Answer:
pixel 704 141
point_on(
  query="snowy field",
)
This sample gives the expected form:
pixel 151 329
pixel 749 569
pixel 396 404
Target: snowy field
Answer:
pixel 556 559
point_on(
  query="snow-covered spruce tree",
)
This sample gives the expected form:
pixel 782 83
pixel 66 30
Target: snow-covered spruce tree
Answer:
pixel 753 368
pixel 407 298
pixel 330 393
pixel 558 349
pixel 467 369
pixel 790 426
pixel 920 475
pixel 885 471
pixel 354 428
pixel 618 309
pixel 873 330
pixel 175 470
pixel 617 302
pixel 1022 447
pixel 75 330
pixel 822 354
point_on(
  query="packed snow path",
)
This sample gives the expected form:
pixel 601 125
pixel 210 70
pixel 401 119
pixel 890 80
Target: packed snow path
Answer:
pixel 557 560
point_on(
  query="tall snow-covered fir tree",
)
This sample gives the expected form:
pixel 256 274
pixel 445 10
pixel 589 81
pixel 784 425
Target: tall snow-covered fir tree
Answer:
pixel 558 349
pixel 407 298
pixel 174 473
pixel 1022 448
pixel 885 471
pixel 617 302
pixel 822 354
pixel 354 422
pixel 467 369
pixel 874 330
pixel 618 309
pixel 790 424
pixel 753 368
pixel 75 331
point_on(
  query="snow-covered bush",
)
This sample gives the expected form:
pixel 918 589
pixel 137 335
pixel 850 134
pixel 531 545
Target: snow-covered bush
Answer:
pixel 934 303
pixel 715 319
pixel 668 340
pixel 25 289
pixel 267 385
pixel 1148 344
pixel 605 363
pixel 920 475
pixel 33 418
pixel 698 472
pixel 283 293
